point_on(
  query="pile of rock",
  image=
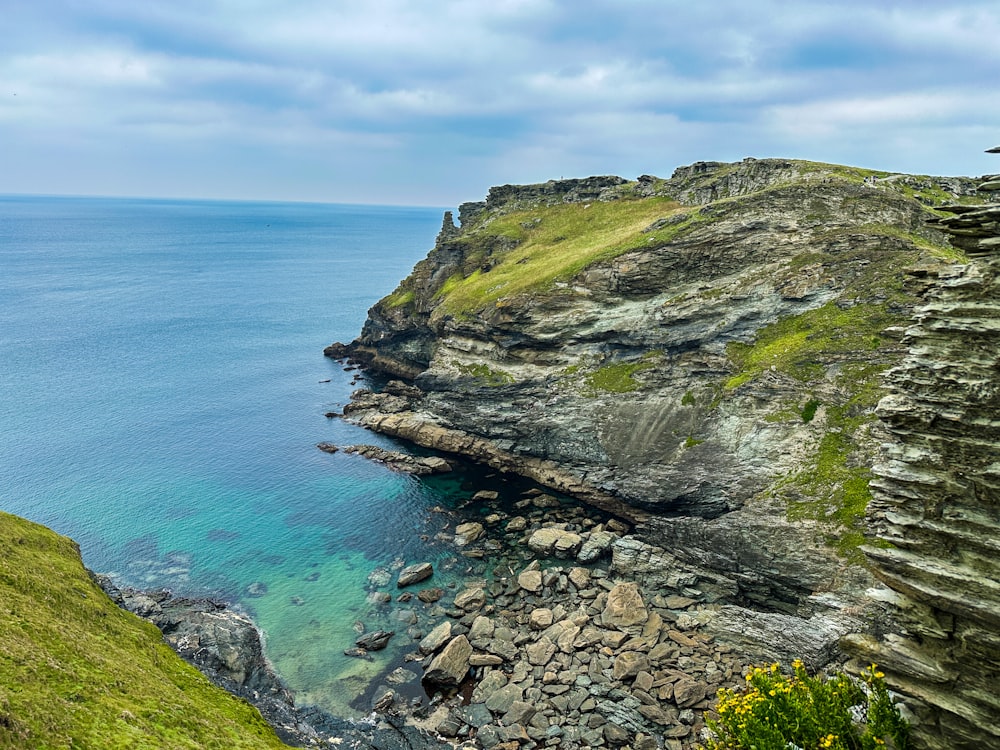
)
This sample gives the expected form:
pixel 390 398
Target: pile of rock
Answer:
pixel 574 655
pixel 552 646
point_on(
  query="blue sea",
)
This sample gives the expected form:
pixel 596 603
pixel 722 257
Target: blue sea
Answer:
pixel 163 392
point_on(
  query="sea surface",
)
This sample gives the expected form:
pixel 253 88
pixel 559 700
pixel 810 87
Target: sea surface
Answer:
pixel 164 389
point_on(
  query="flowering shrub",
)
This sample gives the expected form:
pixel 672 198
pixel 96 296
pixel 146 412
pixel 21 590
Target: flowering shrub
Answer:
pixel 798 712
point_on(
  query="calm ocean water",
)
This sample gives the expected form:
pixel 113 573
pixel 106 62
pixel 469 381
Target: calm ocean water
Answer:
pixel 163 391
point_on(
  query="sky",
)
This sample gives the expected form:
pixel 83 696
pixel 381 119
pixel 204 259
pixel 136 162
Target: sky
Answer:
pixel 430 102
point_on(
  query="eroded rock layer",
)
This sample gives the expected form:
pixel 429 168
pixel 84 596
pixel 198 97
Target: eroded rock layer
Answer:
pixel 937 493
pixel 704 351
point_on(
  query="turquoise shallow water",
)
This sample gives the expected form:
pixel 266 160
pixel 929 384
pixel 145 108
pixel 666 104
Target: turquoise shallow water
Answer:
pixel 163 390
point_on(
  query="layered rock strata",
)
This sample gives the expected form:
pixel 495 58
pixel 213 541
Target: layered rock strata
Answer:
pixel 706 363
pixel 936 495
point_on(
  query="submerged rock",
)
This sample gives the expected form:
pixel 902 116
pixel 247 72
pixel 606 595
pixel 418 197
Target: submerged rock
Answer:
pixel 374 641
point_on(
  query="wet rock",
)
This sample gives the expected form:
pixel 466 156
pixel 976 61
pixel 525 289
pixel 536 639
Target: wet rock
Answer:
pixel 419 465
pixel 327 447
pixel 431 595
pixel 374 641
pixel 400 676
pixel 467 533
pixel 414 574
pixel 257 589
pixel 486 496
pixel 449 667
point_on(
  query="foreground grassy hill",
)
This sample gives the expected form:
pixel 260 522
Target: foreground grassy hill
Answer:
pixel 78 672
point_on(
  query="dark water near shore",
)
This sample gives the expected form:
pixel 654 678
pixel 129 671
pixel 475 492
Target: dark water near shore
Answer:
pixel 163 390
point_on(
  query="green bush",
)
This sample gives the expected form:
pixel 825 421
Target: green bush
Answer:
pixel 781 712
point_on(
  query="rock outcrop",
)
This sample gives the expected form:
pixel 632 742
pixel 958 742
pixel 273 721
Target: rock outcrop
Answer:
pixel 937 498
pixel 701 355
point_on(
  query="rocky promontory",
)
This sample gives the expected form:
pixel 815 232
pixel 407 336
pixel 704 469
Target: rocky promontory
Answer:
pixel 702 352
pixel 700 355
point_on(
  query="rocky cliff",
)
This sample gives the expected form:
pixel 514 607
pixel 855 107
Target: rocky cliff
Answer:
pixel 702 354
pixel 937 494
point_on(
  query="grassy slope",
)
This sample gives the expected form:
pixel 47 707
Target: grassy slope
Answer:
pixel 554 243
pixel 78 672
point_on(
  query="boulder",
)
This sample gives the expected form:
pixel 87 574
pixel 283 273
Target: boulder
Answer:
pixel 596 545
pixel 470 599
pixel 467 533
pixel 629 664
pixel 449 667
pixel 540 618
pixel 374 641
pixel 414 574
pixel 436 638
pixel 550 541
pixel 530 580
pixel 625 609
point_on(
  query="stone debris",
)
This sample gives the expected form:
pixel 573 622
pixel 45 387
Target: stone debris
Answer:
pixel 552 648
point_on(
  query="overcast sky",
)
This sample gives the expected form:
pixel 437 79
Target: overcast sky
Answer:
pixel 431 102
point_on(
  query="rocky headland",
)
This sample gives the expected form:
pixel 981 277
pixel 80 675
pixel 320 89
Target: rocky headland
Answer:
pixel 701 357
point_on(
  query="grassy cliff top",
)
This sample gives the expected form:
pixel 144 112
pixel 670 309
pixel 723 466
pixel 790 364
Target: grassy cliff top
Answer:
pixel 78 672
pixel 527 239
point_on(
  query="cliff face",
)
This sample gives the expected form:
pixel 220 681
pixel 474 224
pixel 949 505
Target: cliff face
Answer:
pixel 937 492
pixel 703 353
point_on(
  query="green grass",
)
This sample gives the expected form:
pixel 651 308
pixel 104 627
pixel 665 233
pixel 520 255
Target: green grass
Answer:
pixel 554 243
pixel 78 672
pixel 796 344
pixel 399 298
pixel 619 377
pixel 483 372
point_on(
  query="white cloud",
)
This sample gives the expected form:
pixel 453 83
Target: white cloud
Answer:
pixel 497 89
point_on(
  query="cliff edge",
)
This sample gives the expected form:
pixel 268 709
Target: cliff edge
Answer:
pixel 700 354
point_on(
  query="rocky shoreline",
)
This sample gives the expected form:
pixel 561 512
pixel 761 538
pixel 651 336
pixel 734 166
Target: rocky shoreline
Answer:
pixel 568 631
pixel 227 647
